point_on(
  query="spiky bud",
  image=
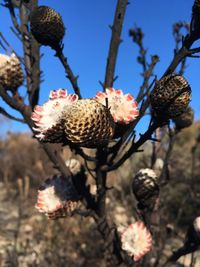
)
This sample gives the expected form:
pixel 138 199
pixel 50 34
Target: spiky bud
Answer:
pixel 11 75
pixel 145 188
pixel 184 120
pixel 57 198
pixel 47 118
pixel 170 97
pixel 136 240
pixel 47 26
pixel 88 123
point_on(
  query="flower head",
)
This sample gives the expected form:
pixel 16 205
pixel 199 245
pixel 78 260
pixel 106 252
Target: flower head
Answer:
pixel 122 106
pixel 88 123
pixel 136 240
pixel 56 197
pixel 47 117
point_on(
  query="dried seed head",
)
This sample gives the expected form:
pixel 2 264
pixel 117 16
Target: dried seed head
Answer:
pixel 47 26
pixel 136 240
pixel 170 97
pixel 57 198
pixel 88 123
pixel 184 120
pixel 11 75
pixel 122 106
pixel 145 188
pixel 47 118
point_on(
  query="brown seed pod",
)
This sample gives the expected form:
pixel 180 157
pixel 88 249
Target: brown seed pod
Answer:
pixel 11 75
pixel 185 119
pixel 170 97
pixel 145 188
pixel 47 26
pixel 88 123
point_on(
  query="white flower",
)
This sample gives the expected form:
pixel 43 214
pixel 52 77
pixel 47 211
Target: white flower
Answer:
pixel 56 198
pixel 122 106
pixel 47 118
pixel 136 240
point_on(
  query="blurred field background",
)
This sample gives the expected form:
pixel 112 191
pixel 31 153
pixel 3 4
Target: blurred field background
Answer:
pixel 29 239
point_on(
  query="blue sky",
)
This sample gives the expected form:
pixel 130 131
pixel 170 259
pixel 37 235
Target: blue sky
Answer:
pixel 87 41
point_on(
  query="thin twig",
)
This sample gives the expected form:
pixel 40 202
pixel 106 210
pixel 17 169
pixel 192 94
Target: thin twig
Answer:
pixel 8 45
pixel 69 73
pixel 6 114
pixel 10 6
pixel 137 35
pixel 115 42
pixel 147 75
pixel 164 176
pixel 188 41
pixel 134 148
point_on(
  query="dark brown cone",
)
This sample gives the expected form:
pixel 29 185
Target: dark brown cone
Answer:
pixel 185 119
pixel 145 188
pixel 170 97
pixel 88 123
pixel 47 26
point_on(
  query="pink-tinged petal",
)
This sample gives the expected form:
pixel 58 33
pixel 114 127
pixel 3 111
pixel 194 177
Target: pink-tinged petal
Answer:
pixel 38 112
pixel 134 105
pixel 129 97
pixel 35 117
pixel 115 118
pixel 120 118
pixel 133 112
pixel 38 108
pixel 119 92
pixel 73 97
pixel 100 94
pixel 111 90
pixel 130 118
pixel 53 94
pixel 40 205
pixel 62 93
